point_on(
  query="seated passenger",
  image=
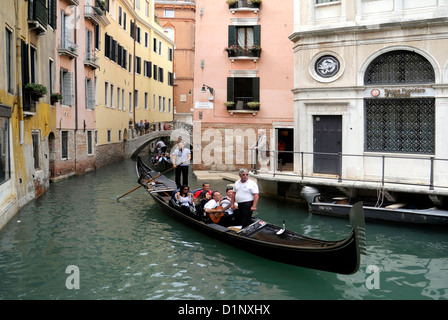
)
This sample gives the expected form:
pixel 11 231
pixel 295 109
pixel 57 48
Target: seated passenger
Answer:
pixel 213 208
pixel 200 202
pixel 184 198
pixel 230 217
pixel 205 187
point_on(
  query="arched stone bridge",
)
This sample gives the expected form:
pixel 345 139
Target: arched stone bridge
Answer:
pixel 172 129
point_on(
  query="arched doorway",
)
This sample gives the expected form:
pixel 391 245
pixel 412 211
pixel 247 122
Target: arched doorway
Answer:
pixel 399 104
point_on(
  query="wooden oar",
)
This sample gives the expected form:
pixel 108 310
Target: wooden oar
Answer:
pixel 145 182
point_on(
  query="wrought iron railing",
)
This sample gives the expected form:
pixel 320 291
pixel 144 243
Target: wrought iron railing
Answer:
pixel 244 4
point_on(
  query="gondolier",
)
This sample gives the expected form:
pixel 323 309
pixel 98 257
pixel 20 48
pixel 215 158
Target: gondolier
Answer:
pixel 181 157
pixel 245 193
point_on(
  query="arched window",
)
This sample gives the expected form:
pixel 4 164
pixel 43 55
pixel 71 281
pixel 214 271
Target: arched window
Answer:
pixel 399 67
pixel 402 122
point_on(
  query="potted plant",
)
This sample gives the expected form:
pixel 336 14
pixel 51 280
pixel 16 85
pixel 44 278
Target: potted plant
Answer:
pixel 232 50
pixel 55 97
pixel 253 105
pixel 36 90
pixel 255 50
pixel 230 105
pixel 255 2
pixel 232 3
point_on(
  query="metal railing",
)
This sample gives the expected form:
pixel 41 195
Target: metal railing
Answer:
pixel 381 169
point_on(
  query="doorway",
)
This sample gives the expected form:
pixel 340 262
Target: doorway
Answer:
pixel 327 143
pixel 285 147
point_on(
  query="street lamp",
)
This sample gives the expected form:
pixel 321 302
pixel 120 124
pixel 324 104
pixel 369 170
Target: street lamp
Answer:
pixel 203 90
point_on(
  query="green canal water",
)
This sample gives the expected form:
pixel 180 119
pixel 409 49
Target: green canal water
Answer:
pixel 131 250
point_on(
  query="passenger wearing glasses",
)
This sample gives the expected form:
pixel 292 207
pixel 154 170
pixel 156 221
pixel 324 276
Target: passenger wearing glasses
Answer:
pixel 184 198
pixel 181 161
pixel 245 193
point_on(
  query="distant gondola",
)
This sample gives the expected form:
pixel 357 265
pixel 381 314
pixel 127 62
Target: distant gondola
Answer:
pixel 161 163
pixel 265 239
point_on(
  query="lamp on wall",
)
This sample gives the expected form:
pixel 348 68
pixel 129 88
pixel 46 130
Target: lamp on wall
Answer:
pixel 203 90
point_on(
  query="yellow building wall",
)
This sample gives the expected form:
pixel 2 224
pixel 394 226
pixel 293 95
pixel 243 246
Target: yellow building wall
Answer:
pixel 117 117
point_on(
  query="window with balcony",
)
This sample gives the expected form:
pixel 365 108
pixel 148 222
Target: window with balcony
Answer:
pixel 244 41
pixel 243 94
pixel 244 5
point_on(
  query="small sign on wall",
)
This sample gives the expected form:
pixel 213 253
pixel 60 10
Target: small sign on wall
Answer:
pixel 203 105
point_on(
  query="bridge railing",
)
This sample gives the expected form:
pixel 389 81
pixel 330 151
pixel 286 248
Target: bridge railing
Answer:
pixel 135 131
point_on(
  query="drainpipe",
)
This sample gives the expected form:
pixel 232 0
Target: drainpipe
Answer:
pixel 76 92
pixel 18 75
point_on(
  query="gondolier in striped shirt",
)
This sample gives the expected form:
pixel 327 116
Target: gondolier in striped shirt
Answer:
pixel 245 193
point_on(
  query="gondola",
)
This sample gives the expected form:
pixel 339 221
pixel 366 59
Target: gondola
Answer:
pixel 267 240
pixel 161 163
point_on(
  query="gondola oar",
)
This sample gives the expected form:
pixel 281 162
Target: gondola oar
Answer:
pixel 145 183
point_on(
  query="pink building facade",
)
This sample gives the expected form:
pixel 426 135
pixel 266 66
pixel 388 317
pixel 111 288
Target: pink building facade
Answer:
pixel 239 89
pixel 75 66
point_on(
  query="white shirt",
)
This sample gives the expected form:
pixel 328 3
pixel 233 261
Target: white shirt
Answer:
pixel 225 202
pixel 181 156
pixel 211 204
pixel 245 191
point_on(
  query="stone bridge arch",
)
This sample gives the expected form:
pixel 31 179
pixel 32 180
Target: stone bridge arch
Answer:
pixel 133 146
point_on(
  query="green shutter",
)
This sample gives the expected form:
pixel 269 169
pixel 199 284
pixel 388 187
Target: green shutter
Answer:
pixel 257 35
pixel 230 89
pixel 256 89
pixel 232 36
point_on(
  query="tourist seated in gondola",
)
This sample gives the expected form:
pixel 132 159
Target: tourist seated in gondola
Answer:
pixel 200 202
pixel 230 217
pixel 184 199
pixel 213 208
pixel 205 187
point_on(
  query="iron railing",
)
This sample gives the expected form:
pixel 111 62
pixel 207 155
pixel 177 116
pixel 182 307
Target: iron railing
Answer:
pixel 380 169
pixel 37 11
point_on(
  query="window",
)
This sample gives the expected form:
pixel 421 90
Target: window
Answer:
pixel 36 144
pixel 33 67
pixel 147 69
pixel 404 124
pixel 109 136
pixel 325 1
pixel 160 48
pixel 155 72
pixel 66 85
pixel 89 142
pixel 51 75
pixel 138 65
pixel 169 13
pixel 122 99
pixel 64 144
pixel 170 79
pixel 160 104
pixel 118 98
pixel 130 62
pixel 5 171
pixel 119 135
pixel 97 37
pixel 106 94
pixel 147 8
pixel 124 21
pixel 120 14
pixel 112 94
pixel 90 94
pixel 146 40
pixel 164 108
pixel 137 4
pixel 170 54
pixel 244 37
pixel 136 99
pixel 154 45
pixel 146 101
pixel 243 90
pixel 169 105
pixel 9 59
pixel 52 13
pixel 160 74
pixel 130 102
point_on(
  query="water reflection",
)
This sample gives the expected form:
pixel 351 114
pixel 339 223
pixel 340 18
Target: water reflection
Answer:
pixel 132 250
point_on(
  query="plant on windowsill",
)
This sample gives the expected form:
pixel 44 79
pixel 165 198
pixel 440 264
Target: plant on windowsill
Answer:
pixel 231 50
pixel 253 105
pixel 36 90
pixel 55 97
pixel 255 50
pixel 255 1
pixel 230 105
pixel 232 3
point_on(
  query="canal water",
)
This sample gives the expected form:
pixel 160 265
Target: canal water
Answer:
pixel 131 250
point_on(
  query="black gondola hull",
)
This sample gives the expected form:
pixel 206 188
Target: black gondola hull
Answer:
pixel 261 239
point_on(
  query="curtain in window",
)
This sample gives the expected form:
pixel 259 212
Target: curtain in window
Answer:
pixel 245 37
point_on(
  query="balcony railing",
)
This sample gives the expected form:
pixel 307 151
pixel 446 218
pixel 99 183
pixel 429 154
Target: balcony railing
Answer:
pixel 91 60
pixel 68 48
pixel 238 52
pixel 92 13
pixel 38 15
pixel 244 5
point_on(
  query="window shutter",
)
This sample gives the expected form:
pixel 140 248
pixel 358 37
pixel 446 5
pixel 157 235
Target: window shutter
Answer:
pixel 256 89
pixel 106 45
pixel 230 89
pixel 68 88
pixel 257 35
pixel 232 36
pixel 90 95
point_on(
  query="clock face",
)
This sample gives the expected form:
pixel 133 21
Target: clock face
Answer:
pixel 327 66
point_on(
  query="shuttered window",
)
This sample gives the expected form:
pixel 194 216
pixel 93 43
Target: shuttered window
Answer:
pixel 67 88
pixel 244 36
pixel 243 90
pixel 90 94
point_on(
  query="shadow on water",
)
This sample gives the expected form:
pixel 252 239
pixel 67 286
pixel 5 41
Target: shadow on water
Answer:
pixel 129 249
